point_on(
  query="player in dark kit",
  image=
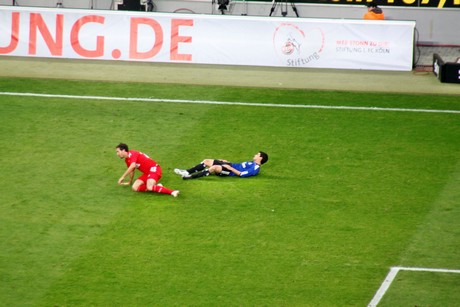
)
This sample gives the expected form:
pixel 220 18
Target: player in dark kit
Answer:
pixel 225 168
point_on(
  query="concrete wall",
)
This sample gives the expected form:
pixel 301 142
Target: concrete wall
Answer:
pixel 434 26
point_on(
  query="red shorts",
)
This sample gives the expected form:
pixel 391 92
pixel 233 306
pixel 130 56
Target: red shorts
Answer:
pixel 155 174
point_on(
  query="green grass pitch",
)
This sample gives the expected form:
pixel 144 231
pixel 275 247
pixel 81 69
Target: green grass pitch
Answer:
pixel 346 195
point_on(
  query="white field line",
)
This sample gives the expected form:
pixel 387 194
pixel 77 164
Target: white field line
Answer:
pixel 391 276
pixel 301 106
pixel 384 287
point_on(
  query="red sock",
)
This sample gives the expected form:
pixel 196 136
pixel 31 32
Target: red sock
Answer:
pixel 142 188
pixel 161 189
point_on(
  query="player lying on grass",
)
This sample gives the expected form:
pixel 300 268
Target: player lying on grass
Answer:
pixel 151 172
pixel 224 168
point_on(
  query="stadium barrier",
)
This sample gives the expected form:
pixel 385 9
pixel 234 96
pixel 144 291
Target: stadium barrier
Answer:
pixel 207 39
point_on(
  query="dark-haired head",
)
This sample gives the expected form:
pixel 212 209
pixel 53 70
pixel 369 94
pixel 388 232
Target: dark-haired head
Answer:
pixel 123 146
pixel 264 157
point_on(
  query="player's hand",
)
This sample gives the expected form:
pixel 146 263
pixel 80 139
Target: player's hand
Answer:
pixel 124 183
pixel 120 181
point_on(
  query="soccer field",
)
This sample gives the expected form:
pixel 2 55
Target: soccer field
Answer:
pixel 354 187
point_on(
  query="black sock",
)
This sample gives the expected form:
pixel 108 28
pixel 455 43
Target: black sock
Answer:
pixel 200 174
pixel 197 168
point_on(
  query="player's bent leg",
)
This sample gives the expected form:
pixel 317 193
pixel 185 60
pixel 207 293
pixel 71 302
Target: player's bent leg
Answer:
pixel 138 186
pixel 220 170
pixel 151 183
pixel 186 174
pixel 215 169
pixel 208 162
pixel 152 186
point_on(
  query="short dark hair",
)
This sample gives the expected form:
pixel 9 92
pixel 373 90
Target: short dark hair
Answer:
pixel 264 157
pixel 123 146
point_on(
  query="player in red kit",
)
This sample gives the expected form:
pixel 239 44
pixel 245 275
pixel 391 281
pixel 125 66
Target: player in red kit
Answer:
pixel 151 172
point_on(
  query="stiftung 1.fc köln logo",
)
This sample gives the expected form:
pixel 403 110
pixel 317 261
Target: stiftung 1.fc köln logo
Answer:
pixel 295 47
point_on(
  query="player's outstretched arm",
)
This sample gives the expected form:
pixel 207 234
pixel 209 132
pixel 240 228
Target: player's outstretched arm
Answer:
pixel 129 171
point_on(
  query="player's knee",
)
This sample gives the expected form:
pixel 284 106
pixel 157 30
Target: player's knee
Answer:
pixel 150 184
pixel 208 162
pixel 215 169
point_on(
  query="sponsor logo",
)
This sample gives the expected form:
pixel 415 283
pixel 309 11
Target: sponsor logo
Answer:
pixel 296 47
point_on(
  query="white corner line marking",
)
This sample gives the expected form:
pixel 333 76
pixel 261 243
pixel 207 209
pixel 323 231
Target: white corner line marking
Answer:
pixel 384 287
pixel 298 106
pixel 391 276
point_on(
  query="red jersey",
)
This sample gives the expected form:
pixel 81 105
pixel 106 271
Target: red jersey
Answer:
pixel 143 162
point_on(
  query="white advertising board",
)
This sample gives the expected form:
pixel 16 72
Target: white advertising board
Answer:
pixel 206 39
